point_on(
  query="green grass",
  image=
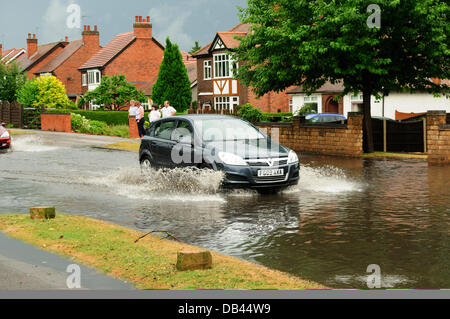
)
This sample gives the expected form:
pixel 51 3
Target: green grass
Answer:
pixel 149 264
pixel 125 146
pixel 16 133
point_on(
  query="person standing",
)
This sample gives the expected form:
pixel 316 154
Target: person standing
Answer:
pixel 154 114
pixel 133 109
pixel 140 119
pixel 167 110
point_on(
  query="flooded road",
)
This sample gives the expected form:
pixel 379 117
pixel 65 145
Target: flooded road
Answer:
pixel 344 215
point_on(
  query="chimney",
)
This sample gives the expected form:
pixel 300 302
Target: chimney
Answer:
pixel 32 45
pixel 142 28
pixel 91 38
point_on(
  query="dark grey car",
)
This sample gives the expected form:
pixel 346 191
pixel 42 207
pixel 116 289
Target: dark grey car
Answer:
pixel 248 158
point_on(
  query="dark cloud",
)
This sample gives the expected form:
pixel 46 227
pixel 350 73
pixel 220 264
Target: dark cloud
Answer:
pixel 183 21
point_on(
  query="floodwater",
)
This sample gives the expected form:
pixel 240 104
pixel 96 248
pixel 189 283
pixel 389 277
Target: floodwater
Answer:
pixel 345 214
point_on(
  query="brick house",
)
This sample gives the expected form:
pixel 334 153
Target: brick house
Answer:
pixel 65 65
pixel 136 54
pixel 38 55
pixel 215 83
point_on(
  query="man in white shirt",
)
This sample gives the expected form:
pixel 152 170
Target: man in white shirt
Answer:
pixel 167 110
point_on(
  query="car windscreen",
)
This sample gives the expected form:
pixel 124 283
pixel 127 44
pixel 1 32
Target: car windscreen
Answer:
pixel 218 130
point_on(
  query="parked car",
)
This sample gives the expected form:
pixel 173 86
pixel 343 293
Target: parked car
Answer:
pixel 5 138
pixel 325 118
pixel 249 158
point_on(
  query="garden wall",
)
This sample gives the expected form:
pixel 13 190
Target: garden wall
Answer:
pixel 56 122
pixel 329 139
pixel 438 138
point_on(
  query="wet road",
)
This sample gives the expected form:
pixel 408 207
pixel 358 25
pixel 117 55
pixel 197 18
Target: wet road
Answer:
pixel 345 215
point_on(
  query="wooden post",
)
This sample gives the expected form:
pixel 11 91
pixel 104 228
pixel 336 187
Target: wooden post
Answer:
pixel 384 135
pixel 42 212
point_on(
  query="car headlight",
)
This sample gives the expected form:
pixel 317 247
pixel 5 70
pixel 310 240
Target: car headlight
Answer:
pixel 293 157
pixel 232 159
pixel 5 135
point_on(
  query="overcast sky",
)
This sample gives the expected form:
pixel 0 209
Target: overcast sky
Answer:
pixel 183 21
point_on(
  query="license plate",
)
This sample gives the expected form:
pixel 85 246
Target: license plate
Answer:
pixel 270 172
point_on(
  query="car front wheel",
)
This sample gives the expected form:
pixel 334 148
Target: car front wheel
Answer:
pixel 146 164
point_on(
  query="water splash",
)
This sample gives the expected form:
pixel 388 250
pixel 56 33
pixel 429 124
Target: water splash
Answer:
pixel 174 184
pixel 30 144
pixel 327 179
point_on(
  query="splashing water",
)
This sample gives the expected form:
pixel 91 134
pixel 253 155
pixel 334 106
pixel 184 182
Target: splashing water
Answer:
pixel 31 144
pixel 144 184
pixel 327 179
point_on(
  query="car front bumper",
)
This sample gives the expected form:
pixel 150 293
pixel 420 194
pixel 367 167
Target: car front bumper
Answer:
pixel 5 142
pixel 247 177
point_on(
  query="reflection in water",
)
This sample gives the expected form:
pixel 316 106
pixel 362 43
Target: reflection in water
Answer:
pixel 343 216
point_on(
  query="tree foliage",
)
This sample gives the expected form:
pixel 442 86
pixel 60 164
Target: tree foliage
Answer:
pixel 173 82
pixel 45 91
pixel 310 42
pixel 195 48
pixel 11 81
pixel 113 92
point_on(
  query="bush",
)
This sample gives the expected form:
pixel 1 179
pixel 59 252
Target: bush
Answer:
pixel 251 114
pixel 83 125
pixel 98 128
pixel 307 109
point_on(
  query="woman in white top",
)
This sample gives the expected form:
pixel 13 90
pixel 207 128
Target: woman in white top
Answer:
pixel 154 114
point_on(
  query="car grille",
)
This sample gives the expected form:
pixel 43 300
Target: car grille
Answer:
pixel 270 179
pixel 267 162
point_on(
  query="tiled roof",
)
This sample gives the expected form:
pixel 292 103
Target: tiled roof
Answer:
pixel 8 55
pixel 192 72
pixel 66 53
pixel 110 51
pixel 239 30
pixel 328 87
pixel 25 62
pixel 228 38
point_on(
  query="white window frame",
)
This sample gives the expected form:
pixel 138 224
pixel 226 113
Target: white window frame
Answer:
pixel 357 98
pixel 221 61
pixel 222 103
pixel 207 70
pixel 311 99
pixel 84 79
pixel 94 77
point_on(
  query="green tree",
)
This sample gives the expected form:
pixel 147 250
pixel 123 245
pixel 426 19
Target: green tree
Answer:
pixel 113 92
pixel 195 48
pixel 310 42
pixel 46 90
pixel 173 82
pixel 11 81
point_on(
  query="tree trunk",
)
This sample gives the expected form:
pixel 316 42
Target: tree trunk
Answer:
pixel 368 131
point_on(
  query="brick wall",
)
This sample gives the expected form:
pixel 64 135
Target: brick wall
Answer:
pixel 438 138
pixel 339 139
pixel 56 122
pixel 269 103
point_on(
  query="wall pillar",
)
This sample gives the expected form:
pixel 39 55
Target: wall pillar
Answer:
pixel 438 138
pixel 134 132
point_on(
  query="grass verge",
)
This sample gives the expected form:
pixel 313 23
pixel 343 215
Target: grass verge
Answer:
pixel 149 264
pixel 396 155
pixel 125 146
pixel 16 133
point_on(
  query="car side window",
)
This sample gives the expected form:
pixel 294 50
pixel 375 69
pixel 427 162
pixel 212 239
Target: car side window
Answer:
pixel 164 130
pixel 183 130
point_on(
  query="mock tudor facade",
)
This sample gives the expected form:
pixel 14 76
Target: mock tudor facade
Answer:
pixel 215 83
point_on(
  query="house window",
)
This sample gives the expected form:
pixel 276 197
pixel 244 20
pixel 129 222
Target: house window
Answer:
pixel 311 99
pixel 222 103
pixel 207 70
pixel 357 98
pixel 84 79
pixel 291 105
pixel 222 65
pixel 94 77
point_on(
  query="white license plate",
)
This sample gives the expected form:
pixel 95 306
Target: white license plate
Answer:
pixel 270 172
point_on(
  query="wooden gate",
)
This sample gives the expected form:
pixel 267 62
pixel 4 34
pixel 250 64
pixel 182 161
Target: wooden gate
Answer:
pixel 406 137
pixel 11 113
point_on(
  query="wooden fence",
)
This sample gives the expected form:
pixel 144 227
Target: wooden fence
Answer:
pixel 11 113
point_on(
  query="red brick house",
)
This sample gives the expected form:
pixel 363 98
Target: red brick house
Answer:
pixel 65 65
pixel 38 55
pixel 136 54
pixel 215 83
